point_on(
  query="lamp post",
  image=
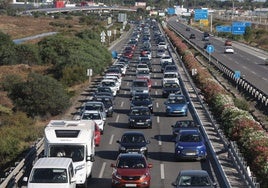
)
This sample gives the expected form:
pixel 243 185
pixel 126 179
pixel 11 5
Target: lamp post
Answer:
pixel 232 9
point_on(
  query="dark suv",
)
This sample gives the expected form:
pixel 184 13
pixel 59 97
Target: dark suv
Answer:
pixel 140 117
pixel 133 141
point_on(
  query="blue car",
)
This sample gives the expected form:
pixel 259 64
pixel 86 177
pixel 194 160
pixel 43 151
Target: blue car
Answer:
pixel 176 105
pixel 189 144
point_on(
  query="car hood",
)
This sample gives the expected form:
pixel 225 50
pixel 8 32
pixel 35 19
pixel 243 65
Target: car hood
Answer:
pixel 141 103
pixel 133 145
pixel 189 144
pixel 45 185
pixel 131 171
pixel 176 106
pixel 144 117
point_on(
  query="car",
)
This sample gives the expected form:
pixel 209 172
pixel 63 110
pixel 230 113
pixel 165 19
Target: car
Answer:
pixel 176 105
pixel 108 103
pixel 187 29
pixel 95 106
pixel 133 141
pixel 170 77
pixel 104 89
pixel 142 99
pixel 192 36
pixel 110 83
pixel 123 67
pixel 95 116
pixel 161 52
pixel 103 94
pixel 162 45
pixel 228 50
pixel 131 170
pixel 182 124
pixel 143 74
pixel 193 178
pixel 170 87
pixel 266 61
pixel 228 42
pixel 206 45
pixel 113 77
pixel 142 66
pixel 140 117
pixel 147 61
pixel 205 36
pixel 190 144
pixel 171 68
pixel 166 58
pixel 139 86
pixel 146 54
pixel 128 53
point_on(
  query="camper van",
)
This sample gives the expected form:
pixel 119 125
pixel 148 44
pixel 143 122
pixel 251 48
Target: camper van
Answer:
pixel 53 172
pixel 73 139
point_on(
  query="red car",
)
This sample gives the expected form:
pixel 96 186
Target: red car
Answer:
pixel 97 136
pixel 131 170
pixel 149 82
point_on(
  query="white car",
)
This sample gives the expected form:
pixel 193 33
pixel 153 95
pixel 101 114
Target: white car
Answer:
pixel 228 50
pixel 169 77
pixel 162 45
pixel 142 67
pixel 113 77
pixel 111 84
pixel 166 59
pixel 95 116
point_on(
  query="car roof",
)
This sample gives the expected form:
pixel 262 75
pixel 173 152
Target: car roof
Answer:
pixel 190 130
pixel 133 132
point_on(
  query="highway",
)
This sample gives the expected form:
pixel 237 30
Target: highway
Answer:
pixel 249 61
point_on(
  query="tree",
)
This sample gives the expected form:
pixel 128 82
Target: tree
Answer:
pixel 40 95
pixel 27 54
pixel 6 50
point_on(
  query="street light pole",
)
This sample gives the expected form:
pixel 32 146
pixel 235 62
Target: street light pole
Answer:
pixel 232 9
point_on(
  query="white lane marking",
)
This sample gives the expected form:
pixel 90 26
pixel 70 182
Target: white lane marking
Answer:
pixel 159 141
pixel 127 83
pixel 102 170
pixel 158 119
pixel 157 105
pixel 125 92
pixel 111 139
pixel 117 118
pixel 155 83
pixel 156 93
pixel 162 171
pixel 122 104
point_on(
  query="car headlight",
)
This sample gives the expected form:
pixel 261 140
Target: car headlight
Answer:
pixel 180 147
pixel 184 107
pixel 143 149
pixel 122 148
pixel 144 175
pixel 150 105
pixel 132 120
pixel 110 108
pixel 118 176
pixel 168 107
pixel 148 120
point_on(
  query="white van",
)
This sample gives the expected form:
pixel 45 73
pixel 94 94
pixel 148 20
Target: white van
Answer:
pixel 73 139
pixel 52 172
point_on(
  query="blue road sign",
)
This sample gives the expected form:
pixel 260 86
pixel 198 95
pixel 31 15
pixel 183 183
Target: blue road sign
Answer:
pixel 237 74
pixel 239 28
pixel 210 49
pixel 224 28
pixel 171 11
pixel 200 14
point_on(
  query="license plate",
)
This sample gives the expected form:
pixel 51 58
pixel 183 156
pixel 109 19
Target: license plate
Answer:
pixel 190 153
pixel 131 185
pixel 140 123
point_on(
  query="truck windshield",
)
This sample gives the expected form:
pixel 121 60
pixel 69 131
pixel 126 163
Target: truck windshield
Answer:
pixel 76 152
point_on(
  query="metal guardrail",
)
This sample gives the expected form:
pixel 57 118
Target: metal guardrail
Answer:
pixel 15 173
pixel 233 150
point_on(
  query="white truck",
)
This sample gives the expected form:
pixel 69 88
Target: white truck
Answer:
pixel 73 139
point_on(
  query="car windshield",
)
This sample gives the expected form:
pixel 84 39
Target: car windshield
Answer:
pixel 171 85
pixel 190 138
pixel 133 138
pixel 138 112
pixel 189 181
pixel 179 100
pixel 92 116
pixel 102 89
pixel 109 84
pixel 140 84
pixel 170 76
pixel 141 97
pixel 94 107
pixel 181 124
pixel 49 175
pixel 131 162
pixel 143 72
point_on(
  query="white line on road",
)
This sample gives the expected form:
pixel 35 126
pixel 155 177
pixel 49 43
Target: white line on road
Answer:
pixel 156 93
pixel 117 118
pixel 157 105
pixel 111 139
pixel 159 141
pixel 102 170
pixel 155 83
pixel 122 104
pixel 158 119
pixel 127 83
pixel 162 171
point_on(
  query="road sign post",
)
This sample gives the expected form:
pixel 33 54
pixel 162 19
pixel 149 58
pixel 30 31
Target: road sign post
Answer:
pixel 210 49
pixel 103 35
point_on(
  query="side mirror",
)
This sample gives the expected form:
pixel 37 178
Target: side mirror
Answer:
pixel 91 158
pixel 113 165
pixel 118 141
pixel 172 126
pixel 25 179
pixel 174 184
pixel 148 141
pixel 150 166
